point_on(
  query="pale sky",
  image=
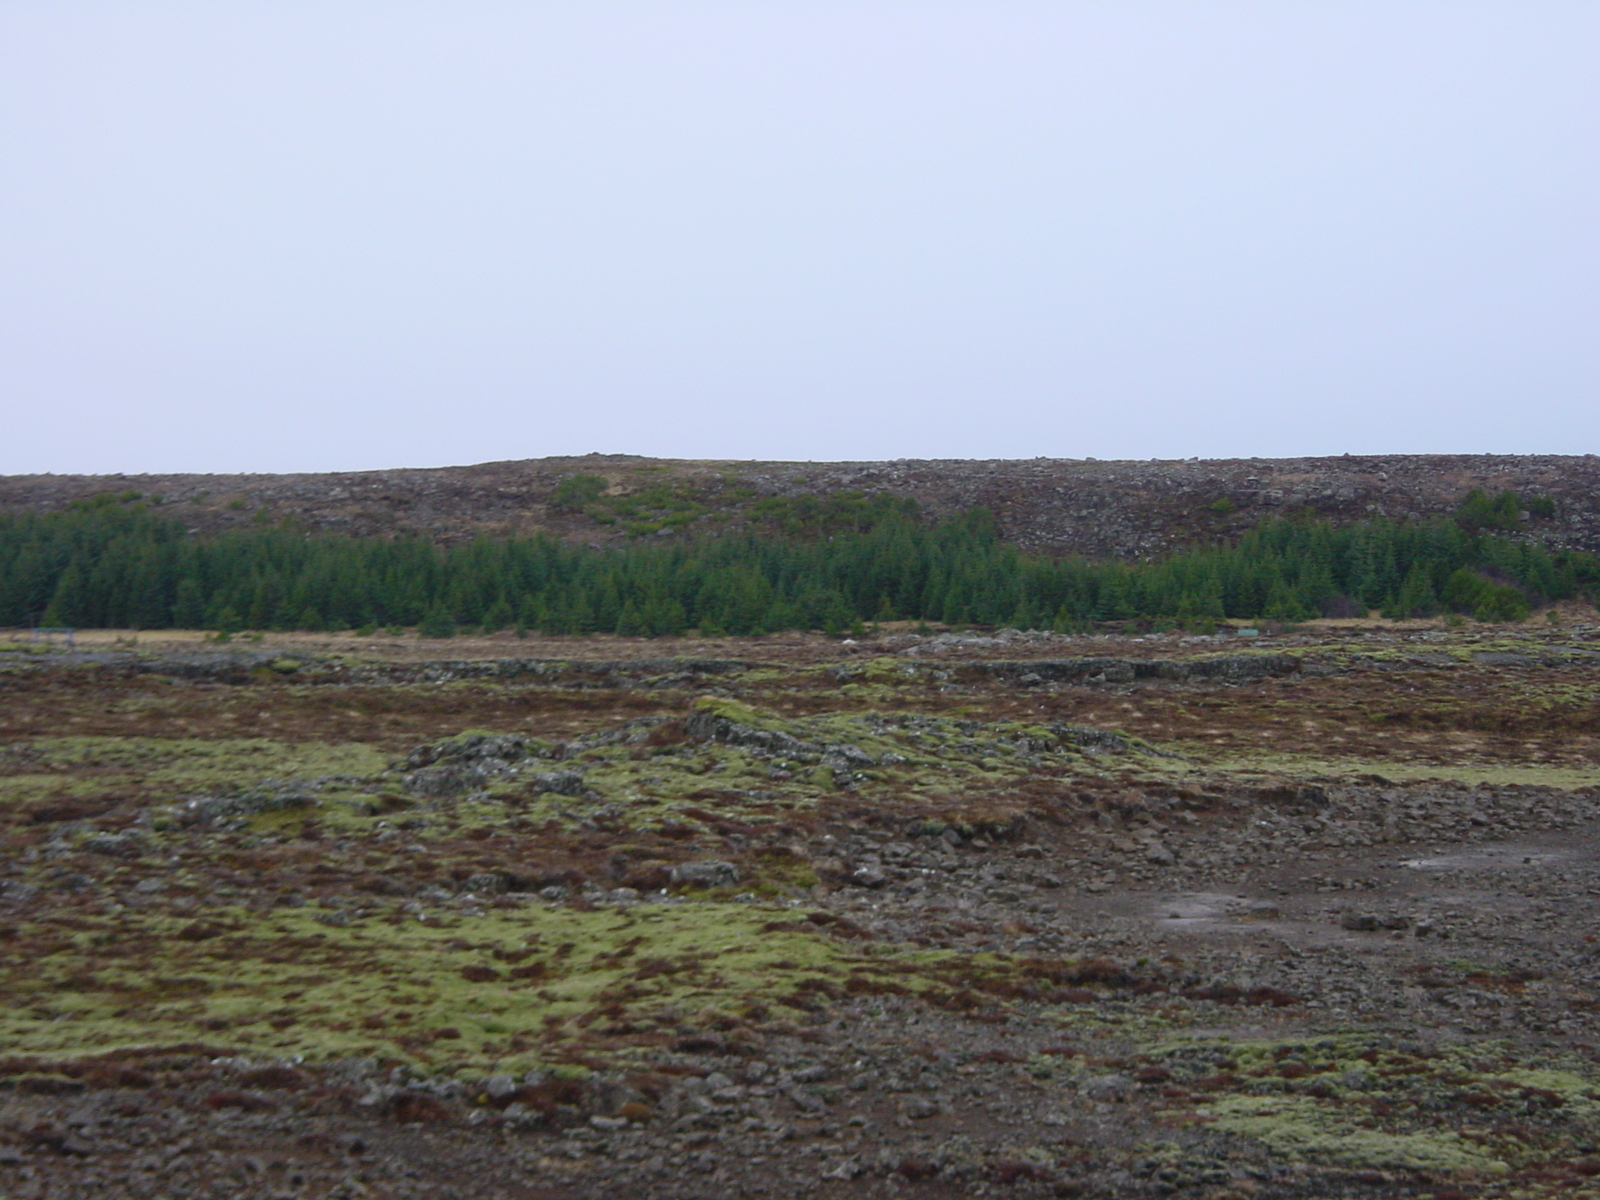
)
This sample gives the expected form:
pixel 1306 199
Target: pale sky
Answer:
pixel 316 236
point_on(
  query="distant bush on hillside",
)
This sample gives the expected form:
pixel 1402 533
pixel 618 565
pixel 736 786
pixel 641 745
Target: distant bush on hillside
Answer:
pixel 575 493
pixel 1483 511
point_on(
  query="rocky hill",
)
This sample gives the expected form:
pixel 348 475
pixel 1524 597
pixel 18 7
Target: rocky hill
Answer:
pixel 1125 508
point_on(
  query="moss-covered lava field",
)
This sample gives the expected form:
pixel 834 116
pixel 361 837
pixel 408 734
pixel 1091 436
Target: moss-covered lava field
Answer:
pixel 1306 914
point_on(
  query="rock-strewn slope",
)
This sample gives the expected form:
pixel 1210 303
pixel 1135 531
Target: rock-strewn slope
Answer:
pixel 1098 508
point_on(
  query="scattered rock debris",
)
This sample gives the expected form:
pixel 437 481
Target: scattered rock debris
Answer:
pixel 906 923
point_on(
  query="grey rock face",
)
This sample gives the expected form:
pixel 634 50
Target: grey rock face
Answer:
pixel 715 728
pixel 563 783
pixel 709 872
pixel 268 796
pixel 463 764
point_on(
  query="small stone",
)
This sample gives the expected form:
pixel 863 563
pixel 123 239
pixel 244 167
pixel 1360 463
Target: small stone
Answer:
pixel 500 1086
pixel 805 1100
pixel 1360 922
pixel 1107 1088
pixel 869 876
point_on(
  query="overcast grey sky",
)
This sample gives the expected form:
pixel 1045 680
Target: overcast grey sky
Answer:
pixel 325 235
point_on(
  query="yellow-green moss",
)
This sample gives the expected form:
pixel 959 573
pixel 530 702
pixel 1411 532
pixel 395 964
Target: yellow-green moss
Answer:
pixel 1359 1100
pixel 1307 1128
pixel 144 983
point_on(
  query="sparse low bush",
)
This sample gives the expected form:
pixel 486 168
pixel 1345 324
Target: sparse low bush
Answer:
pixel 437 624
pixel 1482 511
pixel 577 492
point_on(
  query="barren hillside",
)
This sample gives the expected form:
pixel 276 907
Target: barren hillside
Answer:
pixel 1098 508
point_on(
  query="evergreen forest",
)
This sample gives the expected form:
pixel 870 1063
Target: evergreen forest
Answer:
pixel 114 561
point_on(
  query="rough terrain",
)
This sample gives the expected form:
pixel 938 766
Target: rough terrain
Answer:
pixel 1126 509
pixel 1304 914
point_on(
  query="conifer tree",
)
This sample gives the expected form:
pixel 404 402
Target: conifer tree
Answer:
pixel 439 623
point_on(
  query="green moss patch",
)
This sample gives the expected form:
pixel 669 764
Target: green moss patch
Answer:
pixel 519 984
pixel 199 762
pixel 524 985
pixel 1368 1101
pixel 1300 1128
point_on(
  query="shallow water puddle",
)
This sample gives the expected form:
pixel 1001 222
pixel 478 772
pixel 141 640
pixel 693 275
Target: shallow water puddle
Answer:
pixel 1490 858
pixel 1189 909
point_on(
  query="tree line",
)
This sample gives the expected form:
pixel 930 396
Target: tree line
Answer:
pixel 115 561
